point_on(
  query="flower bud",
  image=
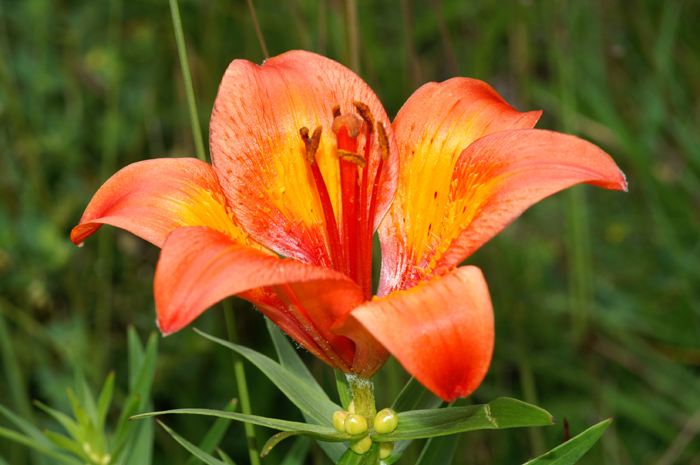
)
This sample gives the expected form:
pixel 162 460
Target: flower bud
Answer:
pixel 339 420
pixel 386 421
pixel 361 446
pixel 385 449
pixel 351 407
pixel 355 424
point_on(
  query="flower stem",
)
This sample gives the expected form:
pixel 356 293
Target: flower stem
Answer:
pixel 363 397
pixel 187 78
pixel 241 383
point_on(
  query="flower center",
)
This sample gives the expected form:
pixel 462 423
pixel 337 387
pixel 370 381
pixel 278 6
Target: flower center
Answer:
pixel 350 237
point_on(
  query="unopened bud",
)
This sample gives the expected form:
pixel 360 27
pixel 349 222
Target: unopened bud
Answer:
pixel 339 420
pixel 361 446
pixel 351 407
pixel 355 424
pixel 386 421
pixel 385 449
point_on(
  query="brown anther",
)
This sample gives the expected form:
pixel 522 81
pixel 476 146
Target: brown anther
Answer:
pixel 366 114
pixel 359 160
pixel 312 143
pixel 383 141
pixel 351 123
pixel 336 111
pixel 304 132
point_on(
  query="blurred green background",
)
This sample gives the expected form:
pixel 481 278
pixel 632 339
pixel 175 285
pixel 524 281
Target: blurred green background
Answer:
pixel 596 293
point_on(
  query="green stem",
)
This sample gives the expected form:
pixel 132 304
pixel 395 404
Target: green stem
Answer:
pixel 241 383
pixel 363 397
pixel 187 78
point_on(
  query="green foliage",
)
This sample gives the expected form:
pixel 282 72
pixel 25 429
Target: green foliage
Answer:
pixel 88 439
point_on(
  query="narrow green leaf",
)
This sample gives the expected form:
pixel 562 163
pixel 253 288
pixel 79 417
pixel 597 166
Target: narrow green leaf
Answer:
pixel 82 392
pixel 371 457
pixel 67 422
pixel 439 449
pixel 343 386
pixel 139 446
pixel 289 357
pixel 324 433
pixel 26 427
pixel 573 449
pixel 498 414
pixel 135 354
pixel 194 450
pixel 415 396
pixel 224 456
pixel 80 415
pixel 215 433
pixel 309 400
pixel 120 438
pixel 104 401
pixel 298 453
pixel 68 444
pixel 49 451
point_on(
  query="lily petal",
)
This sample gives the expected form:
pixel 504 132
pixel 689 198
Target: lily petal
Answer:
pixel 152 198
pixel 495 180
pixel 199 266
pixel 433 127
pixel 258 154
pixel 441 331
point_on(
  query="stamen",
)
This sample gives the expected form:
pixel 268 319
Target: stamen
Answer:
pixel 383 141
pixel 366 114
pixel 359 160
pixel 336 111
pixel 311 147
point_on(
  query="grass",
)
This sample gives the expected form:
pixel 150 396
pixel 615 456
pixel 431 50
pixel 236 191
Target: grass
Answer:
pixel 596 293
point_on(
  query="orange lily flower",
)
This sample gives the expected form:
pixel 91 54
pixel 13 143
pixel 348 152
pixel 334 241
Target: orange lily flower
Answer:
pixel 305 167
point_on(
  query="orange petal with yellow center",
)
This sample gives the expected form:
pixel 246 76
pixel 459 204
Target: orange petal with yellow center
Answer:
pixel 433 127
pixel 258 154
pixel 198 267
pixel 495 180
pixel 154 197
pixel 441 331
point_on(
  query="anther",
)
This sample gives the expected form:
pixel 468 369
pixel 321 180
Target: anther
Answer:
pixel 336 111
pixel 311 143
pixel 383 141
pixel 359 160
pixel 366 114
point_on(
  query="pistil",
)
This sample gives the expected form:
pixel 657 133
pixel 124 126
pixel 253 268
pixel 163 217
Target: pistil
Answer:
pixel 311 145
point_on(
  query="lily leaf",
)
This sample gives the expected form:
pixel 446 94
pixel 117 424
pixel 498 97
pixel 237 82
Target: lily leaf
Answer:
pixel 49 451
pixel 288 356
pixel 310 401
pixel 297 454
pixel 224 456
pixel 573 449
pixel 415 396
pixel 498 414
pixel 194 450
pixel 371 457
pixel 439 449
pixel 216 432
pixel 320 432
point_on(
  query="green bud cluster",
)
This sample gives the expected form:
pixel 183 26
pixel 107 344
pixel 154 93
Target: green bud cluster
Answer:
pixel 385 422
